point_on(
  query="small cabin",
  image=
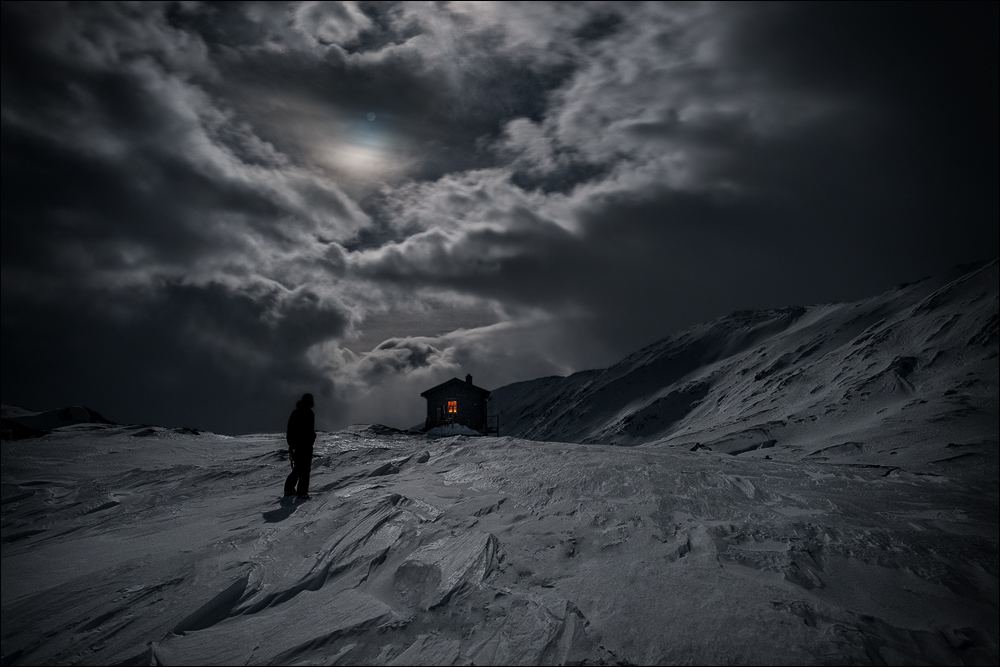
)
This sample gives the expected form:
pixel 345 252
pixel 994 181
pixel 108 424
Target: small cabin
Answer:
pixel 457 402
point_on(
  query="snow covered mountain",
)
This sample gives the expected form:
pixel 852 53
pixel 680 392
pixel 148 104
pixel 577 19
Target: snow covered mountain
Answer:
pixel 905 375
pixel 840 506
pixel 19 422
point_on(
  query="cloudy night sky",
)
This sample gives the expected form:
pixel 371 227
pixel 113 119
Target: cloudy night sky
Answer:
pixel 209 209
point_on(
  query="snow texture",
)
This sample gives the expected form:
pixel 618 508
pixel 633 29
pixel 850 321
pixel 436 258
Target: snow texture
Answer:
pixel 450 429
pixel 813 486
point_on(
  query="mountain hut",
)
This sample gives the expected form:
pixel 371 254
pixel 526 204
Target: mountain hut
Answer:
pixel 457 402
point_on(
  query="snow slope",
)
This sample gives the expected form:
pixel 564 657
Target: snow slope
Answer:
pixel 174 548
pixel 51 419
pixel 892 380
pixel 812 486
pixel 449 429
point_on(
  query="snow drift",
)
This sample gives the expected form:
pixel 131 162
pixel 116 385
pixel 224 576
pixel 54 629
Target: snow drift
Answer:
pixel 449 429
pixel 176 549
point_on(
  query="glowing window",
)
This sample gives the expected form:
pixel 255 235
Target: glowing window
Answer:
pixel 452 407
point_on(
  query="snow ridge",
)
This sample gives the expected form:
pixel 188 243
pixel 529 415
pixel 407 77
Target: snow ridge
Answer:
pixel 799 379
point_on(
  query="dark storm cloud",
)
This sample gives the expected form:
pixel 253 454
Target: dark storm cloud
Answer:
pixel 395 356
pixel 223 197
pixel 129 190
pixel 222 355
pixel 836 177
pixel 435 81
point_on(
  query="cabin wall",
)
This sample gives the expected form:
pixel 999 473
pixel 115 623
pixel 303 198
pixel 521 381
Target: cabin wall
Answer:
pixel 471 407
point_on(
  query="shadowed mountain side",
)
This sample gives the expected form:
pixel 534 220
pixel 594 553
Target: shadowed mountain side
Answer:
pixel 47 420
pixel 797 381
pixel 19 423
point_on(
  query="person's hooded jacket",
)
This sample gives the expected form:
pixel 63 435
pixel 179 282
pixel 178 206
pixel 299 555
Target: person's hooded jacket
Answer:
pixel 301 428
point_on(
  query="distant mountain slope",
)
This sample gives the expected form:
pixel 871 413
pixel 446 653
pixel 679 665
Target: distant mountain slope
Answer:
pixel 915 365
pixel 21 423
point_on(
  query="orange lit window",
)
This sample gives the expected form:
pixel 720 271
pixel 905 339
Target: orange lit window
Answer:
pixel 452 407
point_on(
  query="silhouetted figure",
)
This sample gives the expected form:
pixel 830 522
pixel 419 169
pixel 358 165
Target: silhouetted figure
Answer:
pixel 300 436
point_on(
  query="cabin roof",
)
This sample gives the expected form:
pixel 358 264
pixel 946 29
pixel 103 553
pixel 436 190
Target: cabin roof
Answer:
pixel 451 382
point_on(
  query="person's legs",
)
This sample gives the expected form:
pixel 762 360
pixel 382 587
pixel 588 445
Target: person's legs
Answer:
pixel 292 477
pixel 303 465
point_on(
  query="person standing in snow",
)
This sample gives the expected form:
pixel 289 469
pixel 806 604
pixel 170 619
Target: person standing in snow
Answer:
pixel 300 436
